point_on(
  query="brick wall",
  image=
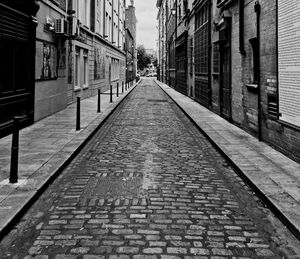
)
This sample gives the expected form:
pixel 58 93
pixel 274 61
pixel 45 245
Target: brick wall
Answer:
pixel 283 138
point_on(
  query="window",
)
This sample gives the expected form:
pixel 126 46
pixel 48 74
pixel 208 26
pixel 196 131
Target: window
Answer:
pixel 201 48
pixel 81 68
pixel 109 30
pixel 191 56
pixel 216 59
pixel 106 26
pixel 99 62
pixel 85 68
pixel 77 62
pixel 82 8
pixel 115 69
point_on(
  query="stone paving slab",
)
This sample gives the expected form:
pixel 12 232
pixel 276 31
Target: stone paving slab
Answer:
pixel 274 175
pixel 45 147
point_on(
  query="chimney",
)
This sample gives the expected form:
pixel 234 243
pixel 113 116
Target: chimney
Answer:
pixel 132 2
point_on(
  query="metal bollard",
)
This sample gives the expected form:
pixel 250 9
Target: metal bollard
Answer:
pixel 111 97
pixel 118 89
pixel 99 101
pixel 13 177
pixel 78 114
pixel 122 87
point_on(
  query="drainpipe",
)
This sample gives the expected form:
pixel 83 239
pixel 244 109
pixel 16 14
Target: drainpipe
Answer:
pixel 257 10
pixel 241 23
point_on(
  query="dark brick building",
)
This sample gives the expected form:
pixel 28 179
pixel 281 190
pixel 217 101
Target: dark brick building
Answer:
pixel 244 64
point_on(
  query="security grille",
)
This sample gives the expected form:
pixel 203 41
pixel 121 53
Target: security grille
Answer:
pixel 201 54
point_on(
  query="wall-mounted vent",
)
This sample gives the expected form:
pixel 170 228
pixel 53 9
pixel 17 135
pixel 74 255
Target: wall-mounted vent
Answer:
pixel 272 106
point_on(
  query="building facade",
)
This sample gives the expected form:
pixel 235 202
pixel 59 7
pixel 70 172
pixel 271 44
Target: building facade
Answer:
pixel 79 47
pixel 17 62
pixel 242 61
pixel 130 44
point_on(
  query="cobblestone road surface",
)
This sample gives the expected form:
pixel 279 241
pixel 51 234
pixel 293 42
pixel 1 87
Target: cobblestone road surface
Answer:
pixel 148 186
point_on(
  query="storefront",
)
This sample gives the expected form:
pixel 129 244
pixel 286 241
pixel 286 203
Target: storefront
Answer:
pixel 17 62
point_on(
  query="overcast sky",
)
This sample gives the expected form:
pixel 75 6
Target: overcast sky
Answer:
pixel 146 13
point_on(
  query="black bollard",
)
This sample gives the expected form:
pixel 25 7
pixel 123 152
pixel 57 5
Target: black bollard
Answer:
pixel 78 114
pixel 118 89
pixel 13 178
pixel 99 101
pixel 122 87
pixel 111 97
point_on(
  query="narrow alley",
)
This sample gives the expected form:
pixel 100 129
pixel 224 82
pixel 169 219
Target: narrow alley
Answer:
pixel 148 185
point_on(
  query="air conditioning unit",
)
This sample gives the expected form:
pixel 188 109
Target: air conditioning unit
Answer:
pixel 61 26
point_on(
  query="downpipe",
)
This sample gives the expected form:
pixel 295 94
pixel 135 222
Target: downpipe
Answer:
pixel 257 9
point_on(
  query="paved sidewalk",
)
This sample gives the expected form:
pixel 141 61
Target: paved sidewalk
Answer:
pixel 274 176
pixel 45 147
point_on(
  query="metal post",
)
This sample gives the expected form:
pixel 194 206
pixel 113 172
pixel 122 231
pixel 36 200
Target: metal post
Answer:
pixel 111 97
pixel 122 87
pixel 99 101
pixel 78 114
pixel 13 178
pixel 118 89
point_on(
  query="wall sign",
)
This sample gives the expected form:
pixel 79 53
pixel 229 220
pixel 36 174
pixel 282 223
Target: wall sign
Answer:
pixel 289 61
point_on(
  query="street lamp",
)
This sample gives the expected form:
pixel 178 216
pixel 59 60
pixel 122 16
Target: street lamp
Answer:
pixel 173 11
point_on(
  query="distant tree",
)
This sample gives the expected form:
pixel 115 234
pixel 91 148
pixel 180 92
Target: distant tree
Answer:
pixel 143 57
pixel 155 62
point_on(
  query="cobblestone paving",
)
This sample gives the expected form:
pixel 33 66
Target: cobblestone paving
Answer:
pixel 147 186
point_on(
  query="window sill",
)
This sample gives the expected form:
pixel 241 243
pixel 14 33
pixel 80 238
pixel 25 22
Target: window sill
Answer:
pixel 77 88
pixel 85 86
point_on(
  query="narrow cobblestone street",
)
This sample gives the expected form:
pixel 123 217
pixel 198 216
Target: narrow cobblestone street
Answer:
pixel 148 185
